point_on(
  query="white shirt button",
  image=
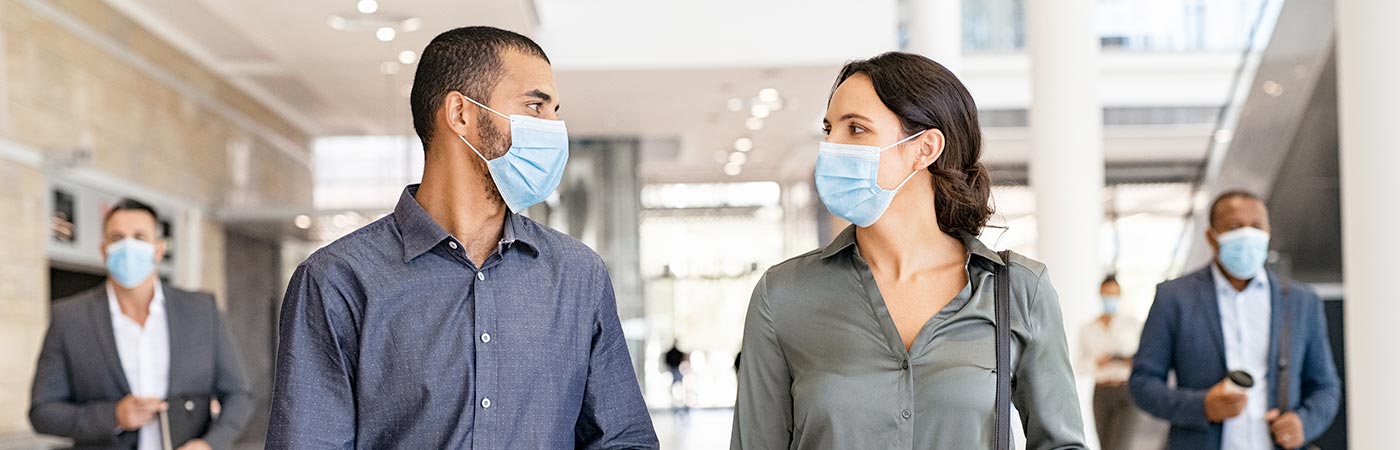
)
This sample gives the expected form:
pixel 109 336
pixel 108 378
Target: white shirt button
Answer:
pixel 485 337
pixel 452 244
pixel 485 403
pixel 481 276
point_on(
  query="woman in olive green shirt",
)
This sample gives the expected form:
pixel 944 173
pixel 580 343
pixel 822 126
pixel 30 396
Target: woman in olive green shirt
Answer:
pixel 885 338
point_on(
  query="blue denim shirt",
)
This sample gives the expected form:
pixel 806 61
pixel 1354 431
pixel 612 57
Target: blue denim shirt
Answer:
pixel 392 338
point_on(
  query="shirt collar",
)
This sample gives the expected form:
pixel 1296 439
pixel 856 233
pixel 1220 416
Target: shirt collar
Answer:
pixel 1222 284
pixel 419 233
pixel 974 246
pixel 157 305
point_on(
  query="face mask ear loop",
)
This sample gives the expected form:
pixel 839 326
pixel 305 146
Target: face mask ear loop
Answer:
pixel 488 108
pixel 906 180
pixel 901 141
pixel 474 150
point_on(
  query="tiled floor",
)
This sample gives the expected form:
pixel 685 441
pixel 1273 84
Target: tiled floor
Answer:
pixel 700 429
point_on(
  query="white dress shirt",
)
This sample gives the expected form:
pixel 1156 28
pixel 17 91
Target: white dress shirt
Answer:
pixel 1244 321
pixel 145 356
pixel 1118 338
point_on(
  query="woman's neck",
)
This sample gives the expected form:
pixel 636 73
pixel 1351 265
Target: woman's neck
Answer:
pixel 908 239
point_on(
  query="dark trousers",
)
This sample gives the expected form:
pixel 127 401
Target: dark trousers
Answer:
pixel 1115 416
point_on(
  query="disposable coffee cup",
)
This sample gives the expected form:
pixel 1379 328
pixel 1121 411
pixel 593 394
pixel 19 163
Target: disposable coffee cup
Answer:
pixel 1239 382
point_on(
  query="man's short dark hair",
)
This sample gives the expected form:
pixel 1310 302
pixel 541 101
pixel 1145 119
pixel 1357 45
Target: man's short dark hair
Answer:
pixel 1111 278
pixel 466 60
pixel 1227 196
pixel 130 204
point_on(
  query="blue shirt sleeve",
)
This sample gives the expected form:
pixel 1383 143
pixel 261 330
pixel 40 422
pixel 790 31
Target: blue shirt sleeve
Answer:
pixel 1321 387
pixel 613 415
pixel 313 399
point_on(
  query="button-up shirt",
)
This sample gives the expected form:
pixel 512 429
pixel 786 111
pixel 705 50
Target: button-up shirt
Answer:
pixel 825 368
pixel 1244 321
pixel 1117 339
pixel 144 350
pixel 392 338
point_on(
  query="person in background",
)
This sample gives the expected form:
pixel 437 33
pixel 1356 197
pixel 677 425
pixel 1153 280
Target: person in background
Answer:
pixel 674 359
pixel 886 338
pixel 455 322
pixel 118 355
pixel 1107 347
pixel 1236 315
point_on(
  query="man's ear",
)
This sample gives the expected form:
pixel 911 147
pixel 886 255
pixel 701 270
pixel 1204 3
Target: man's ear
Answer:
pixel 457 113
pixel 160 250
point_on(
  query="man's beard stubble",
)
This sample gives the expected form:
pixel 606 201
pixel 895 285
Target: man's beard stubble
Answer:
pixel 492 139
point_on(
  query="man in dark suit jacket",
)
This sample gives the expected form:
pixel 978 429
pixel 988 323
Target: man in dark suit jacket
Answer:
pixel 82 388
pixel 1201 328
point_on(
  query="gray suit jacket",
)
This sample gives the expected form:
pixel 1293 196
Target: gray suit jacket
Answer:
pixel 80 379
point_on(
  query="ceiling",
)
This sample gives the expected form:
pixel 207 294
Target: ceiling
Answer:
pixel 663 71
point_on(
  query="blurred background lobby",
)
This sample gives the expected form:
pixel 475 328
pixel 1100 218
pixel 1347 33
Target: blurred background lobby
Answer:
pixel 263 130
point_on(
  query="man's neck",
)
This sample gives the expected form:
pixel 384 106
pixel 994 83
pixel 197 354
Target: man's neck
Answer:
pixel 457 199
pixel 1236 283
pixel 135 302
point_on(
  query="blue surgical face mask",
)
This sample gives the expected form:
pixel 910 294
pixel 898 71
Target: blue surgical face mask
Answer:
pixel 1110 304
pixel 846 181
pixel 534 165
pixel 1243 251
pixel 130 261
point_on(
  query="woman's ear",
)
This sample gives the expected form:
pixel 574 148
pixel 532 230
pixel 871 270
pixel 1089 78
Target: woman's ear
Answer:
pixel 931 145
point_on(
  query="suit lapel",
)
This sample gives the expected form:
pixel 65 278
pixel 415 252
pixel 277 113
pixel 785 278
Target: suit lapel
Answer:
pixel 1277 314
pixel 177 321
pixel 1210 307
pixel 101 315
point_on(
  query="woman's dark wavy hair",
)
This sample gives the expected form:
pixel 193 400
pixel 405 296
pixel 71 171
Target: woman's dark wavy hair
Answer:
pixel 925 95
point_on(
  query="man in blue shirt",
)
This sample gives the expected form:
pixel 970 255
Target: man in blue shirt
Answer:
pixel 1237 316
pixel 454 322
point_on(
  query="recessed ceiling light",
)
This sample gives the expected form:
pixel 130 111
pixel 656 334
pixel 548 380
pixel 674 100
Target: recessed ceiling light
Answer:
pixel 407 57
pixel 385 34
pixel 733 169
pixel 411 24
pixel 1273 88
pixel 738 158
pixel 337 23
pixel 759 111
pixel 367 6
pixel 768 95
pixel 754 124
pixel 302 221
pixel 743 144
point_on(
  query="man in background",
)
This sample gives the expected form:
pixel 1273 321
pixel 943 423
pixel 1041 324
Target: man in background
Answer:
pixel 118 356
pixel 1237 316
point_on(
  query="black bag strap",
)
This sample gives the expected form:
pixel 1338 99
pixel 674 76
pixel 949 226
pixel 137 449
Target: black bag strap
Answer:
pixel 1002 311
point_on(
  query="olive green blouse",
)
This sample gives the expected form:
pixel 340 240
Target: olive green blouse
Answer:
pixel 825 368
